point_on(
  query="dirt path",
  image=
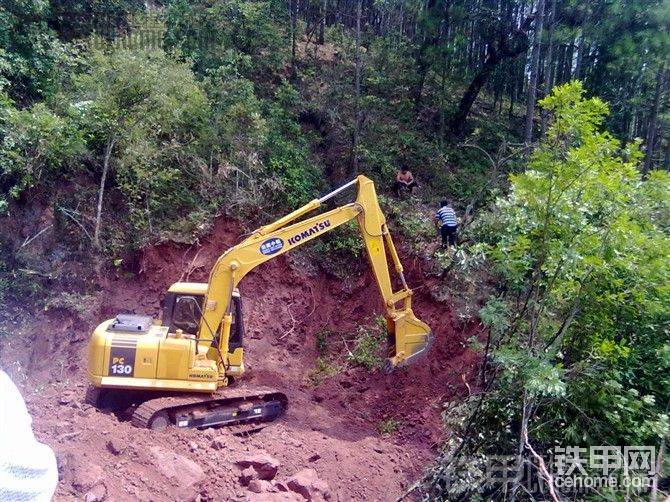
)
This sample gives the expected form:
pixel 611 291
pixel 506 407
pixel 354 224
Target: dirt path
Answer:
pixel 331 428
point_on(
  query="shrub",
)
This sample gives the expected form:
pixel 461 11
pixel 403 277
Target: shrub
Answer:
pixel 322 370
pixel 369 345
pixel 578 325
pixel 388 426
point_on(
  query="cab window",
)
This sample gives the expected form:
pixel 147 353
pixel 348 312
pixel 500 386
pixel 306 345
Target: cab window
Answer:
pixel 186 313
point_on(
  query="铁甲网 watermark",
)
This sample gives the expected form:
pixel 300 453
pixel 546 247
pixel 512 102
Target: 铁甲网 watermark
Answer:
pixel 576 469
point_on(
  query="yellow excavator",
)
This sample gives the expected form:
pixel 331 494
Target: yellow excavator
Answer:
pixel 176 371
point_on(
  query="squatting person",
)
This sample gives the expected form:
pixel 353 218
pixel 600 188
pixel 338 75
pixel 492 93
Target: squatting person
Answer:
pixel 404 179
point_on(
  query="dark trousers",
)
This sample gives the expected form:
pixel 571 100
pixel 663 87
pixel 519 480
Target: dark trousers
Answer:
pixel 449 234
pixel 397 186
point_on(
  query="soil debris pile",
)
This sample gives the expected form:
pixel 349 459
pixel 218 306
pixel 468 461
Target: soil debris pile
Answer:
pixel 328 446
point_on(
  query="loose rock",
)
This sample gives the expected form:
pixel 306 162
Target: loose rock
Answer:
pixel 219 443
pixel 116 446
pixel 177 467
pixel 265 466
pixel 85 475
pixel 247 476
pixel 260 486
pixel 274 497
pixel 96 494
pixel 308 484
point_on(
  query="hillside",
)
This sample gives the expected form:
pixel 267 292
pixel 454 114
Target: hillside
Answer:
pixel 520 153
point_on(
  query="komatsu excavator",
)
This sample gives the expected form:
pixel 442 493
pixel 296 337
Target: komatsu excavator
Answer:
pixel 176 371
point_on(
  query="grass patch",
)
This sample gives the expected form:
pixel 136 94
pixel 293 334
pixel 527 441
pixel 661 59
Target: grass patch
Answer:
pixel 321 341
pixel 388 426
pixel 322 370
pixel 72 302
pixel 365 347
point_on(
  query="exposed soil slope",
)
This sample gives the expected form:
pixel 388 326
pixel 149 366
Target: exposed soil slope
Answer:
pixel 331 428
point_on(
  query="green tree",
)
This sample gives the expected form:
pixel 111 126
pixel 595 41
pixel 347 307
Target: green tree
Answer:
pixel 35 148
pixel 579 334
pixel 80 18
pixel 143 116
pixel 29 50
pixel 206 33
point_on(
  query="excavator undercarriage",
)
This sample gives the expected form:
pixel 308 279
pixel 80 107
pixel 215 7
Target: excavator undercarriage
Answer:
pixel 244 408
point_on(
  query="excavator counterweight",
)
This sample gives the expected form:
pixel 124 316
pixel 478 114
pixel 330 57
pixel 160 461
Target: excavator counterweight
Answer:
pixel 197 348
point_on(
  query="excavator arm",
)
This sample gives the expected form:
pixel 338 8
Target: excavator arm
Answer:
pixel 411 336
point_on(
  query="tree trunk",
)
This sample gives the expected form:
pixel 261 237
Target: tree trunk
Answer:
pixel 512 94
pixel 293 8
pixel 653 119
pixel 322 24
pixel 507 49
pixel 560 63
pixel 430 38
pixel 582 46
pixel 101 193
pixel 567 71
pixel 534 70
pixel 357 90
pixel 516 483
pixel 577 74
pixel 549 64
pixel 468 99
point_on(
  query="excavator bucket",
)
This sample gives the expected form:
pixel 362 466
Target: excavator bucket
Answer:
pixel 411 338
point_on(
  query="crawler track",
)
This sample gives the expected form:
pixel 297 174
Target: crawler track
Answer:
pixel 243 409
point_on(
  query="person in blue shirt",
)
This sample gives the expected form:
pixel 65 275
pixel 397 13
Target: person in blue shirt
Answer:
pixel 446 220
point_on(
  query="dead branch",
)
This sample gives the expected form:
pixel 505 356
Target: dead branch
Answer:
pixel 70 215
pixel 31 239
pixel 293 322
pixel 544 472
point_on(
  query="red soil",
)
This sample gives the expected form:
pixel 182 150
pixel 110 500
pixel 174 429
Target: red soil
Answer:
pixel 331 428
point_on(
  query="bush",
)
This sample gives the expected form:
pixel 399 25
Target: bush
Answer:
pixel 35 148
pixel 578 347
pixel 322 370
pixel 369 349
pixel 288 156
pixel 388 426
pixel 321 341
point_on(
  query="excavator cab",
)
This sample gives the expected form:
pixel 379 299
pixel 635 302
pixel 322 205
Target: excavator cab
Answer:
pixel 184 304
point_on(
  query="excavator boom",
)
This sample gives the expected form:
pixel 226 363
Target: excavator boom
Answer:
pixel 411 336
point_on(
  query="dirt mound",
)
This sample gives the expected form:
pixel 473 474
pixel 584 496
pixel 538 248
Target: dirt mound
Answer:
pixel 331 427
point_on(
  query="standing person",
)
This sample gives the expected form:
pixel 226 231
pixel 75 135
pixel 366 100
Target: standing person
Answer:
pixel 404 178
pixel 445 218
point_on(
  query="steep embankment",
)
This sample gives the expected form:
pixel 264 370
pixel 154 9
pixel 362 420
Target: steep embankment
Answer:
pixel 331 428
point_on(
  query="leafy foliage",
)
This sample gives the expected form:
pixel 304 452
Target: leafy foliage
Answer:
pixel 29 49
pixel 323 369
pixel 73 19
pixel 150 113
pixel 35 148
pixel 369 348
pixel 580 333
pixel 211 33
pixel 388 426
